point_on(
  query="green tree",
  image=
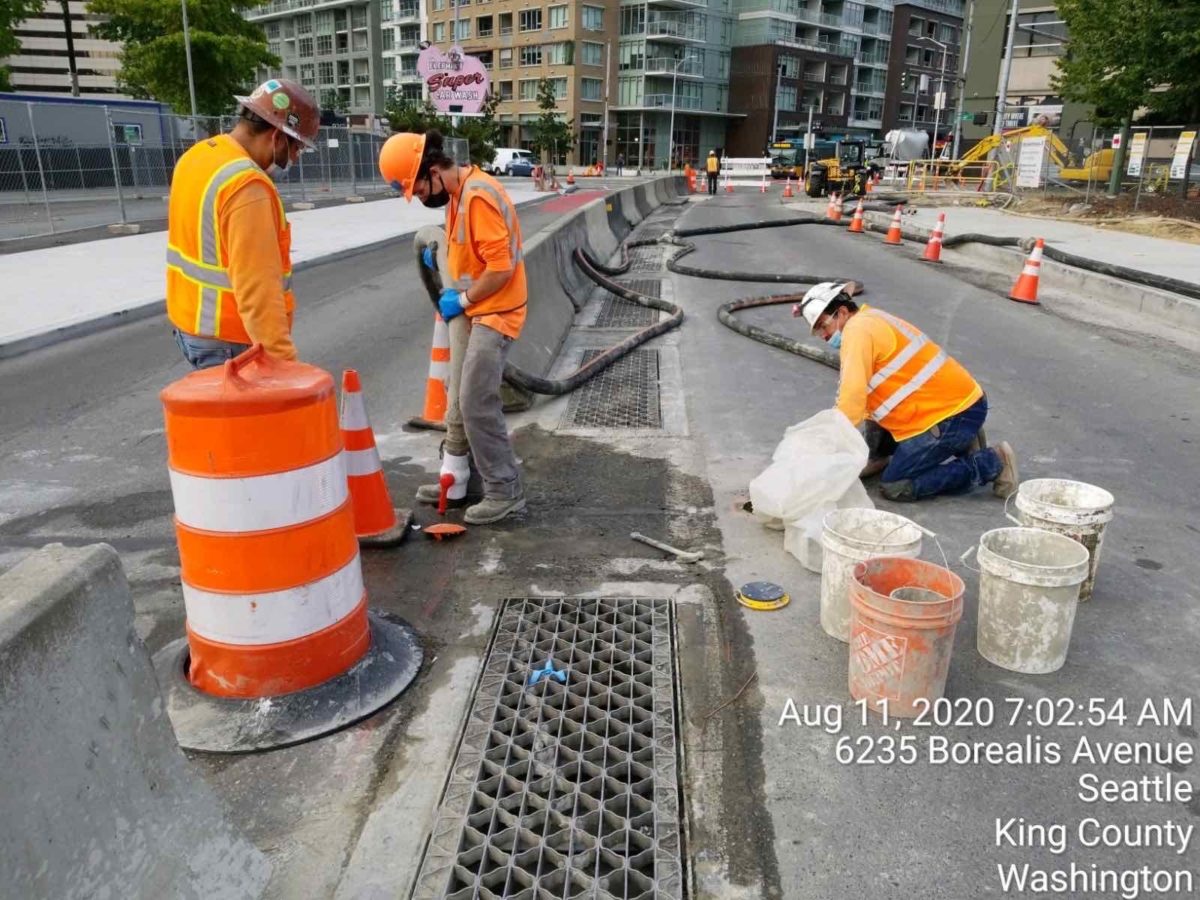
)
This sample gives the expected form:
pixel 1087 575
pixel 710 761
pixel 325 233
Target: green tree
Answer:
pixel 551 133
pixel 12 14
pixel 226 49
pixel 480 131
pixel 1125 55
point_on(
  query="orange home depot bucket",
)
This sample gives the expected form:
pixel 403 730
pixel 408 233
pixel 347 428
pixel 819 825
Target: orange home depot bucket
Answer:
pixel 903 613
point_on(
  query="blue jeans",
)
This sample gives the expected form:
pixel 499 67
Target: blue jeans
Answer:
pixel 936 461
pixel 204 353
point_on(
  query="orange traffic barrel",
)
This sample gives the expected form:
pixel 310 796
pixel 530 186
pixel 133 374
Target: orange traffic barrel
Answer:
pixel 279 644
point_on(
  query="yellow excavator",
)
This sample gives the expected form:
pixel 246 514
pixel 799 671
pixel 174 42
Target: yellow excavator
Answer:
pixel 1096 167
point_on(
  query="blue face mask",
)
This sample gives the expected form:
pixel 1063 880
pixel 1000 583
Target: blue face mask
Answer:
pixel 836 341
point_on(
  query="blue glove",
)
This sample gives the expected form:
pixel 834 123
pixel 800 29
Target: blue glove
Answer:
pixel 428 258
pixel 452 303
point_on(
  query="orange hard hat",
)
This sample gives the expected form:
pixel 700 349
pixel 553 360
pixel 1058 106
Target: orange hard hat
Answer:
pixel 400 159
pixel 288 107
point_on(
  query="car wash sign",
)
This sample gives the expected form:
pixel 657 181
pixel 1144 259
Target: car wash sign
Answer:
pixel 457 83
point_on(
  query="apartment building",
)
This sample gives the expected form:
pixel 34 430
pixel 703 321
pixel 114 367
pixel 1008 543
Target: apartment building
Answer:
pixel 926 38
pixel 834 58
pixel 520 42
pixel 1041 38
pixel 42 64
pixel 404 27
pixel 333 48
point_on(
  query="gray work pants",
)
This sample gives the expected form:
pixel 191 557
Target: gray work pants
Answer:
pixel 475 412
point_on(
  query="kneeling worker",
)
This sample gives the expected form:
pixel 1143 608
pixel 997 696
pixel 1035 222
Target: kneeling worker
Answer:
pixel 488 285
pixel 229 266
pixel 895 375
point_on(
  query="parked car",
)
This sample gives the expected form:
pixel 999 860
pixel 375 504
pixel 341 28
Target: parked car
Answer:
pixel 512 161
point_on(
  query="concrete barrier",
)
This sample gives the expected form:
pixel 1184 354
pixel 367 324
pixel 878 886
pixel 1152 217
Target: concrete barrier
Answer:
pixel 642 198
pixel 618 220
pixel 660 190
pixel 98 800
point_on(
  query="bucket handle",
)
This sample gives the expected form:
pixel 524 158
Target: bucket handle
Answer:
pixel 974 548
pixel 925 531
pixel 1009 515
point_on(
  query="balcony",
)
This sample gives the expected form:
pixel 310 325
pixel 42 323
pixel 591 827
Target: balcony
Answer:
pixel 875 58
pixel 865 120
pixel 799 43
pixel 867 89
pixel 876 28
pixel 663 101
pixel 407 11
pixel 663 29
pixel 678 4
pixel 665 65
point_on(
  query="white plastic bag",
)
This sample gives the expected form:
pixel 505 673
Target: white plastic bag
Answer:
pixel 814 465
pixel 802 537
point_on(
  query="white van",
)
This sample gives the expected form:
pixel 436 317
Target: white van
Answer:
pixel 512 161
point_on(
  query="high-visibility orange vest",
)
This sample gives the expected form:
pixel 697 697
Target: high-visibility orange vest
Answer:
pixel 713 164
pixel 200 299
pixel 466 265
pixel 918 384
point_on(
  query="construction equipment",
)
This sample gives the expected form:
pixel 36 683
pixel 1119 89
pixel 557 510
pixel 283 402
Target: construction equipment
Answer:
pixel 834 166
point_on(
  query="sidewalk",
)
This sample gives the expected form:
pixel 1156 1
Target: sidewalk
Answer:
pixel 1174 259
pixel 59 292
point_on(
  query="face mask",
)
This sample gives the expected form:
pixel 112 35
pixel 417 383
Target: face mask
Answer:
pixel 275 169
pixel 836 341
pixel 438 200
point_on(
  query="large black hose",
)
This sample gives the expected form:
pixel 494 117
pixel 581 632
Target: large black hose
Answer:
pixel 772 339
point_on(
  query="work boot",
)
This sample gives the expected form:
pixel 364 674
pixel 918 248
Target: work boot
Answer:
pixel 898 491
pixel 874 467
pixel 1005 484
pixel 493 509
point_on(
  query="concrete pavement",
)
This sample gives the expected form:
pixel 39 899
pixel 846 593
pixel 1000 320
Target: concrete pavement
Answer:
pixel 58 292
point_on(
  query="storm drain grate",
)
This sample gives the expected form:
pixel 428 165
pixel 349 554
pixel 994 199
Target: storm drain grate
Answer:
pixel 566 788
pixel 652 231
pixel 620 313
pixel 645 259
pixel 625 395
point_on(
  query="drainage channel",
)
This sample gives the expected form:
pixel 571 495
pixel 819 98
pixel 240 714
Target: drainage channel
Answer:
pixel 566 778
pixel 625 395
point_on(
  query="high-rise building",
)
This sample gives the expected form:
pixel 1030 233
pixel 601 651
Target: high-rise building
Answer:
pixel 404 27
pixel 332 48
pixel 835 59
pixel 42 65
pixel 923 68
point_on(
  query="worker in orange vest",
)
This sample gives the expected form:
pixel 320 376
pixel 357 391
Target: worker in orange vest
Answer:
pixel 229 266
pixel 931 407
pixel 486 284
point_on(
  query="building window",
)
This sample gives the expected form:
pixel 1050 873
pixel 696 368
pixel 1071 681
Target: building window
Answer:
pixel 593 18
pixel 529 87
pixel 410 35
pixel 506 90
pixel 389 67
pixel 483 26
pixel 272 31
pixel 506 58
pixel 305 49
pixel 1046 41
pixel 464 29
pixel 385 10
pixel 558 16
pixel 531 20
pixel 560 88
pixel 304 25
pixel 273 48
pixel 633 20
pixel 591 89
pixel 439 5
pixel 324 44
pixel 389 39
pixel 531 55
pixel 632 56
pixel 325 72
pixel 592 53
pixel 439 32
pixel 308 75
pixel 560 54
pixel 786 99
pixel 505 23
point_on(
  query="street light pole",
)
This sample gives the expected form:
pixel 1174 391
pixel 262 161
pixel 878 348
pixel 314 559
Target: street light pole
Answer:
pixel 775 102
pixel 940 95
pixel 187 50
pixel 671 127
pixel 962 78
pixel 1006 71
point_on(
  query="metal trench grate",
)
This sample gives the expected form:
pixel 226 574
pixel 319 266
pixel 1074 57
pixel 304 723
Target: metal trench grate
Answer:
pixel 566 790
pixel 625 395
pixel 618 312
pixel 652 230
pixel 645 259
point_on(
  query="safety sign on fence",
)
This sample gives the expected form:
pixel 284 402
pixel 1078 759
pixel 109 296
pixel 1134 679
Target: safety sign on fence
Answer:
pixel 1137 153
pixel 1183 152
pixel 1030 162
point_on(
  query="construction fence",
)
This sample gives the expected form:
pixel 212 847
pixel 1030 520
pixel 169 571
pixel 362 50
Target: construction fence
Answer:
pixel 1160 162
pixel 65 166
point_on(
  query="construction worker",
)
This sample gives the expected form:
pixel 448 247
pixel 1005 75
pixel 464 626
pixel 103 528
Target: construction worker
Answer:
pixel 229 266
pixel 713 167
pixel 896 376
pixel 487 285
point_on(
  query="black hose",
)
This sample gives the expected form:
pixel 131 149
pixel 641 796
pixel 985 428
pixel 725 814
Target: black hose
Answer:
pixel 772 339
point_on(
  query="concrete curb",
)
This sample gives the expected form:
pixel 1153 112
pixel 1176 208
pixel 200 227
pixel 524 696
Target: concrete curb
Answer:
pixel 98 799
pixel 1163 306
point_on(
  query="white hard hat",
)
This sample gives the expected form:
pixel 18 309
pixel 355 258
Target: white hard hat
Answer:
pixel 818 298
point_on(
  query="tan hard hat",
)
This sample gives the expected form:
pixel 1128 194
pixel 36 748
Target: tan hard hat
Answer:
pixel 287 106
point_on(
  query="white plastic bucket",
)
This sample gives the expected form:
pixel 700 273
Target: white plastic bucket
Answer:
pixel 851 536
pixel 1028 590
pixel 1074 508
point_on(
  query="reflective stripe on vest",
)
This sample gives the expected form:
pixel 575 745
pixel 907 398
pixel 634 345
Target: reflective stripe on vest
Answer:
pixel 207 272
pixel 510 217
pixel 916 342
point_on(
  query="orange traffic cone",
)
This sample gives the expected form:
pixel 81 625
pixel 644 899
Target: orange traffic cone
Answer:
pixel 1026 288
pixel 762 188
pixel 436 398
pixel 571 175
pixel 728 184
pixel 787 188
pixel 933 249
pixel 838 207
pixel 376 522
pixel 868 184
pixel 856 223
pixel 893 237
pixel 829 207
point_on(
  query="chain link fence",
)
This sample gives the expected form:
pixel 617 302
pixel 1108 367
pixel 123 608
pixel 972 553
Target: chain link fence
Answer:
pixel 65 166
